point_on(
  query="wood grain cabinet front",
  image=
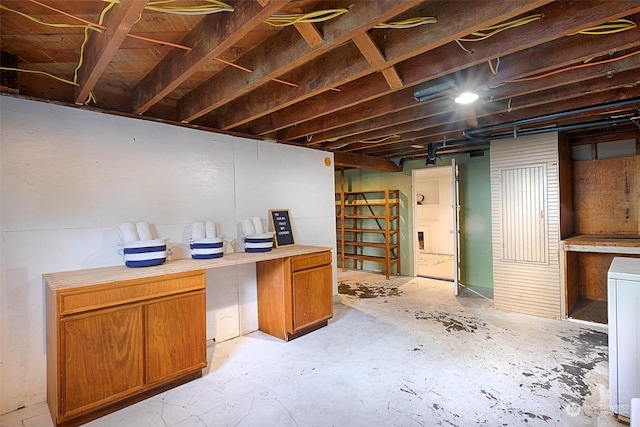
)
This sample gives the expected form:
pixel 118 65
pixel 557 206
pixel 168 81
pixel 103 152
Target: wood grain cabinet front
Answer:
pixel 101 358
pixel 175 337
pixel 107 353
pixel 295 294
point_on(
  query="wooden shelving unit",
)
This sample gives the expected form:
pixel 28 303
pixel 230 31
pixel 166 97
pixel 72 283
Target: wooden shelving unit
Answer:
pixel 368 228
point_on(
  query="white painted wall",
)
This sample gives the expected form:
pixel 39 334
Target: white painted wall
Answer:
pixel 70 176
pixel 435 219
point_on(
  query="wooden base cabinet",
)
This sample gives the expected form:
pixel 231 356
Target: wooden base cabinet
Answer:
pixel 295 294
pixel 112 344
pixel 101 359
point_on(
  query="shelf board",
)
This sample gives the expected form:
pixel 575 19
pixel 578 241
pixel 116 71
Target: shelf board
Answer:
pixel 370 244
pixel 391 217
pixel 371 258
pixel 370 192
pixel 367 230
pixel 360 203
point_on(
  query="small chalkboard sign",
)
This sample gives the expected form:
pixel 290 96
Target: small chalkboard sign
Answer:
pixel 280 220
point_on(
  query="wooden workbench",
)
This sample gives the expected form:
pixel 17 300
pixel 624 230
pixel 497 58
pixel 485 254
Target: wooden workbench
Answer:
pixel 585 260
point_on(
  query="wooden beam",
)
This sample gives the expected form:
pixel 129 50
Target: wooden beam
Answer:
pixel 283 52
pixel 393 78
pixel 213 35
pixel 351 160
pixel 556 53
pixel 101 47
pixel 516 91
pixel 414 41
pixel 402 150
pixel 527 100
pixel 369 50
pixel 533 105
pixel 374 56
pixel 309 33
pixel 442 61
pixel 472 120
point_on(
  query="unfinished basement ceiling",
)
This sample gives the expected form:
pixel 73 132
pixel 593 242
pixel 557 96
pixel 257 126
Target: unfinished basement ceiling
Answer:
pixel 346 82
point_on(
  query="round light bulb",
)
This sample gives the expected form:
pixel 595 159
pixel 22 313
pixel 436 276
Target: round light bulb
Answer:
pixel 466 98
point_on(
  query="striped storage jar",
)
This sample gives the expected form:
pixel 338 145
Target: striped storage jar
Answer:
pixel 208 248
pixel 145 253
pixel 258 242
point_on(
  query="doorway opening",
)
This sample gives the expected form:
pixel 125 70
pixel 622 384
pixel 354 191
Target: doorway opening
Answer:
pixel 435 225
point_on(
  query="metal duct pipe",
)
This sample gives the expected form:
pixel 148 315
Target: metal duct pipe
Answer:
pixel 516 133
pixel 434 91
pixel 433 148
pixel 471 133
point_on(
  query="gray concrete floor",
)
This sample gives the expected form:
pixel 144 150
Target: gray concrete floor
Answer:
pixel 402 352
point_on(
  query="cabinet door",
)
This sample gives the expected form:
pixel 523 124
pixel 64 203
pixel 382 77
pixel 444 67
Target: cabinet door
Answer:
pixel 101 358
pixel 176 336
pixel 312 297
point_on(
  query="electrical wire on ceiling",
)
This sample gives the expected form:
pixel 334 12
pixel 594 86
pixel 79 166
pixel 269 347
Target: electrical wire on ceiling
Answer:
pixel 87 26
pixel 50 24
pixel 317 16
pixel 22 70
pixel 91 97
pixel 611 27
pixel 462 47
pixel 248 70
pixel 377 141
pixel 494 70
pixel 210 6
pixel 407 23
pixel 574 67
pixel 485 33
pixel 340 146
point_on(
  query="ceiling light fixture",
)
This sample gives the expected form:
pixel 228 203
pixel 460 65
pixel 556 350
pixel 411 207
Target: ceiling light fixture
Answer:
pixel 467 98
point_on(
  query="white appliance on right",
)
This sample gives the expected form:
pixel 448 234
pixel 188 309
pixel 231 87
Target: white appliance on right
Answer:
pixel 624 333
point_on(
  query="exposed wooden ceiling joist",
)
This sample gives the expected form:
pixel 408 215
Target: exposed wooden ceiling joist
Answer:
pixel 213 35
pixel 343 66
pixel 376 59
pixel 102 46
pixel 450 59
pixel 503 116
pixel 530 100
pixel 339 84
pixel 282 53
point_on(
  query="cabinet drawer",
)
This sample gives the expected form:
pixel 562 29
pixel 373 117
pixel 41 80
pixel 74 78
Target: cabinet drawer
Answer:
pixel 302 262
pixel 99 296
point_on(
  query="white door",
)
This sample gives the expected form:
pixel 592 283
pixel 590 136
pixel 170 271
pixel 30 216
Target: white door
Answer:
pixel 455 229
